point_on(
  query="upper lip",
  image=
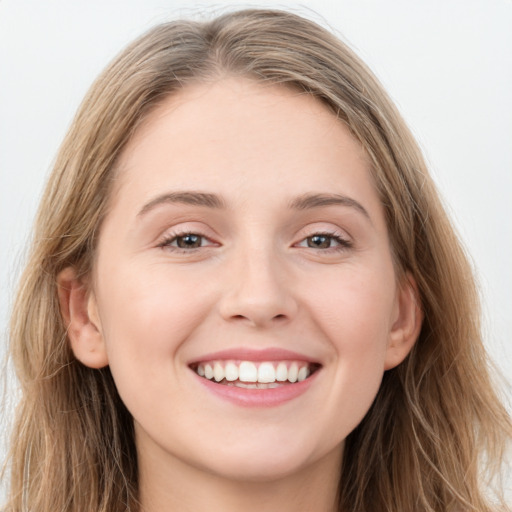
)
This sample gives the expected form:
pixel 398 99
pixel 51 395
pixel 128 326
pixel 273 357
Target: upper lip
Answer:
pixel 249 354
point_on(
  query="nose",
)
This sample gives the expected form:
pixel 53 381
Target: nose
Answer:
pixel 258 291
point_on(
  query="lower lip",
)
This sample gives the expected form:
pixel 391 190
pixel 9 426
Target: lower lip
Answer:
pixel 270 397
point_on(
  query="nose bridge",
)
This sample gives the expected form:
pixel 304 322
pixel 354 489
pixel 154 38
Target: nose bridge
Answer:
pixel 258 290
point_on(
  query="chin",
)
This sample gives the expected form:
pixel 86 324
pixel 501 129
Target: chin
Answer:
pixel 257 464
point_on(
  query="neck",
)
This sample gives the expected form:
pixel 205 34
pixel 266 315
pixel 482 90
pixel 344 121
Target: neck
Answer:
pixel 181 487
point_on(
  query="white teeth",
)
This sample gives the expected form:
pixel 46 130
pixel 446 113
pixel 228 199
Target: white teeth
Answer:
pixel 293 372
pixel 269 374
pixel 248 372
pixel 303 373
pixel 231 372
pixel 255 385
pixel 218 372
pixel 266 373
pixel 281 372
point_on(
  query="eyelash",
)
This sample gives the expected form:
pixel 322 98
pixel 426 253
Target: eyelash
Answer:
pixel 167 242
pixel 342 243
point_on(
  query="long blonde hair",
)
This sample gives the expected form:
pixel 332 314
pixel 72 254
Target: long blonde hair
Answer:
pixel 436 431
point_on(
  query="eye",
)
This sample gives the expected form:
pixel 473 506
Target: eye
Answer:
pixel 325 241
pixel 189 241
pixel 186 241
pixel 320 241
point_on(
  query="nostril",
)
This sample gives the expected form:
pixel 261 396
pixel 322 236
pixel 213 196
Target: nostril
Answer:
pixel 260 320
pixel 260 310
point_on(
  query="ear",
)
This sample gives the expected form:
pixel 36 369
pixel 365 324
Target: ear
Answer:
pixel 406 323
pixel 80 314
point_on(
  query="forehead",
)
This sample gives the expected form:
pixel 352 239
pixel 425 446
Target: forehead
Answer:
pixel 233 133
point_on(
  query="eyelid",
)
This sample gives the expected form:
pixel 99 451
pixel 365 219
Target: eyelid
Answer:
pixel 343 240
pixel 336 238
pixel 168 242
pixel 324 228
pixel 187 228
pixel 341 237
pixel 340 240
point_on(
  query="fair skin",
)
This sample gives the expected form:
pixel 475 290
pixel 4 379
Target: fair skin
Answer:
pixel 244 218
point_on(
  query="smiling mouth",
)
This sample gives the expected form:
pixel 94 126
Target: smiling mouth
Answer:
pixel 255 375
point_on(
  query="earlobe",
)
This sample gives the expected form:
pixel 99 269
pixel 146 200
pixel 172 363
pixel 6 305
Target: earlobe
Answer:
pixel 407 324
pixel 79 312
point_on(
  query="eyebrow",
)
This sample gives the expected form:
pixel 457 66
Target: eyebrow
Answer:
pixel 207 200
pixel 306 201
pixel 192 198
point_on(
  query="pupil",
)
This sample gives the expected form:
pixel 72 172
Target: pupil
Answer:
pixel 319 241
pixel 189 241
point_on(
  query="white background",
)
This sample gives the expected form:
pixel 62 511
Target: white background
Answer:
pixel 446 63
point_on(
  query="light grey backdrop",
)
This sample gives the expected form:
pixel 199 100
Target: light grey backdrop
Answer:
pixel 446 63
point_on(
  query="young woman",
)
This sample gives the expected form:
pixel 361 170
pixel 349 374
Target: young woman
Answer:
pixel 244 293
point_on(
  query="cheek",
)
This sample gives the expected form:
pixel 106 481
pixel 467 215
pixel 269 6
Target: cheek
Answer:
pixel 355 317
pixel 147 316
pixel 146 319
pixel 355 308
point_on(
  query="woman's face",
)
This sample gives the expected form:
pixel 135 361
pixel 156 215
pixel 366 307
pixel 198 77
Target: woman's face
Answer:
pixel 246 241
